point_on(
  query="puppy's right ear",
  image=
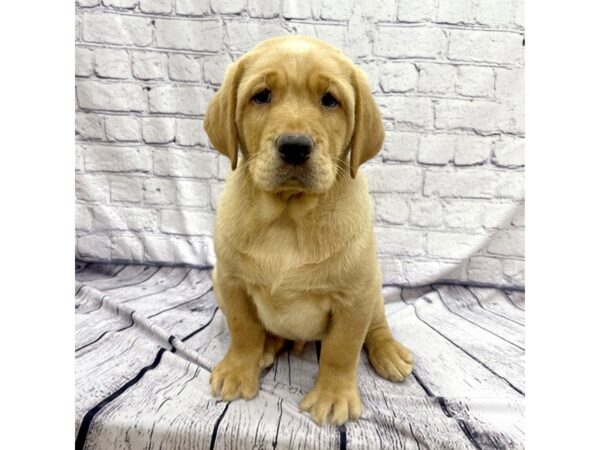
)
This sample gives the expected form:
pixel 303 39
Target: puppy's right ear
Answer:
pixel 219 121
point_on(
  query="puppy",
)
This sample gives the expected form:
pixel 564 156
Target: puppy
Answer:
pixel 296 256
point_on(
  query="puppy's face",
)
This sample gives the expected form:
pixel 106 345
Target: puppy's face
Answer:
pixel 295 106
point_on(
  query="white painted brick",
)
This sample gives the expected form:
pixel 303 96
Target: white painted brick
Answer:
pixel 510 185
pixel 79 161
pixel 494 12
pixel 89 126
pixel 520 13
pixel 185 67
pixel 415 10
pixel 94 247
pixel 159 191
pixel 333 34
pixel 171 248
pixel 475 81
pixel 224 166
pixel 158 130
pixel 78 28
pixel 118 159
pixel 214 68
pixel 122 128
pixel 508 243
pixel 467 183
pixel 380 10
pixel 91 188
pixel 242 36
pixel 83 217
pixel 391 208
pixel 117 29
pixel 479 115
pixel 190 132
pixel 110 96
pixel 84 62
pixel 449 245
pixel 228 6
pixel 398 77
pixel 421 272
pixel 426 213
pixel 126 189
pixel 391 270
pixel 484 270
pixel 127 248
pixel 435 78
pixel 454 11
pixel 472 150
pixel 436 149
pixel 156 6
pixel 149 65
pixel 112 63
pixel 186 222
pixel 519 217
pixel 509 152
pixel 371 70
pixel 263 8
pixel 490 46
pixel 413 112
pixel 394 178
pixel 472 214
pixel 293 9
pixel 192 7
pixel 215 193
pixel 180 163
pixel 124 4
pixel 335 10
pixel 400 146
pixel 179 99
pixel 510 85
pixel 514 271
pixel 189 35
pixel 122 218
pixel 421 42
pixel 192 193
pixel 87 3
pixel 399 241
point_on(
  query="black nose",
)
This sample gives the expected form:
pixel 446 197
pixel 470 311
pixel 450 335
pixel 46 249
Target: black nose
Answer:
pixel 294 148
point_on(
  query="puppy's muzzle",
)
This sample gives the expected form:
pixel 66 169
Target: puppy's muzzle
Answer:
pixel 294 149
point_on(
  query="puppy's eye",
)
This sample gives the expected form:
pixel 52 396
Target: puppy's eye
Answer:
pixel 263 96
pixel 329 100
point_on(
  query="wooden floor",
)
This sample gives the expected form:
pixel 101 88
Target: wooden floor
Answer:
pixel 147 337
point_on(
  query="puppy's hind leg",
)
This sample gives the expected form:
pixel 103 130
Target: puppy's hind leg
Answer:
pixel 389 358
pixel 273 345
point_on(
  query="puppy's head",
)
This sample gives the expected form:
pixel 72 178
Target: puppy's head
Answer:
pixel 299 111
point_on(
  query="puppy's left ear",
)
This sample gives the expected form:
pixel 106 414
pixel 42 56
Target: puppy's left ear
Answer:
pixel 219 121
pixel 367 138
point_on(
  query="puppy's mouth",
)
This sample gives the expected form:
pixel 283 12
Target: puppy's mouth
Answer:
pixel 293 178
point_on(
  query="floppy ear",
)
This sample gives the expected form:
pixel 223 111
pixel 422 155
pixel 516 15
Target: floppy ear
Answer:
pixel 367 138
pixel 219 121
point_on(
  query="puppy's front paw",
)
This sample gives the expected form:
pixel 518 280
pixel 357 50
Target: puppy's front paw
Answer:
pixel 391 360
pixel 334 402
pixel 235 377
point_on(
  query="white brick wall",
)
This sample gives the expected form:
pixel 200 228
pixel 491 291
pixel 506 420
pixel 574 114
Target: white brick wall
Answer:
pixel 447 75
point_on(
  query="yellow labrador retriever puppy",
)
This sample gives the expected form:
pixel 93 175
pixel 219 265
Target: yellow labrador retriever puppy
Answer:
pixel 296 257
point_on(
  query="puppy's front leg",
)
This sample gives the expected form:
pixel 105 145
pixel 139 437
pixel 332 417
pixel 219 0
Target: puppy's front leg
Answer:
pixel 237 375
pixel 335 394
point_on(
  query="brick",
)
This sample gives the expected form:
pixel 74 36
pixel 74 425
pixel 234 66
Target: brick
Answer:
pixel 79 162
pixel 215 193
pixel 510 185
pixel 484 270
pixel 192 7
pixel 171 248
pixel 509 152
pixel 436 149
pixel 265 9
pixel 520 14
pixel 243 36
pixel 380 10
pixel 117 29
pixel 413 112
pixel 426 213
pixel 400 146
pixel 158 192
pixel 192 193
pixel 510 85
pixel 467 183
pixel 514 271
pixel 508 243
pixel 92 188
pixel 94 247
pixel 108 218
pixel 228 6
pixel 475 81
pixel 472 214
pixel 421 42
pixel 394 178
pixel 489 46
pixel 494 12
pixel 156 6
pixel 83 217
pixel 391 270
pixel 519 217
pixel 435 78
pixel 480 115
pixel 122 128
pixel 391 208
pixel 111 63
pixel 423 272
pixel 398 77
pixel 110 96
pixel 78 27
pixel 89 126
pixel 87 3
pixel 180 163
pixel 335 10
pixel 149 65
pixel 84 62
pixel 185 67
pixel 124 4
pixel 188 35
pixel 224 166
pixel 415 10
pixel 399 241
pixel 158 130
pixel 186 222
pixel 449 245
pixel 179 99
pixel 118 159
pixel 126 189
pixel 293 9
pixel 190 132
pixel 127 248
pixel 214 68
pixel 454 11
pixel 472 150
